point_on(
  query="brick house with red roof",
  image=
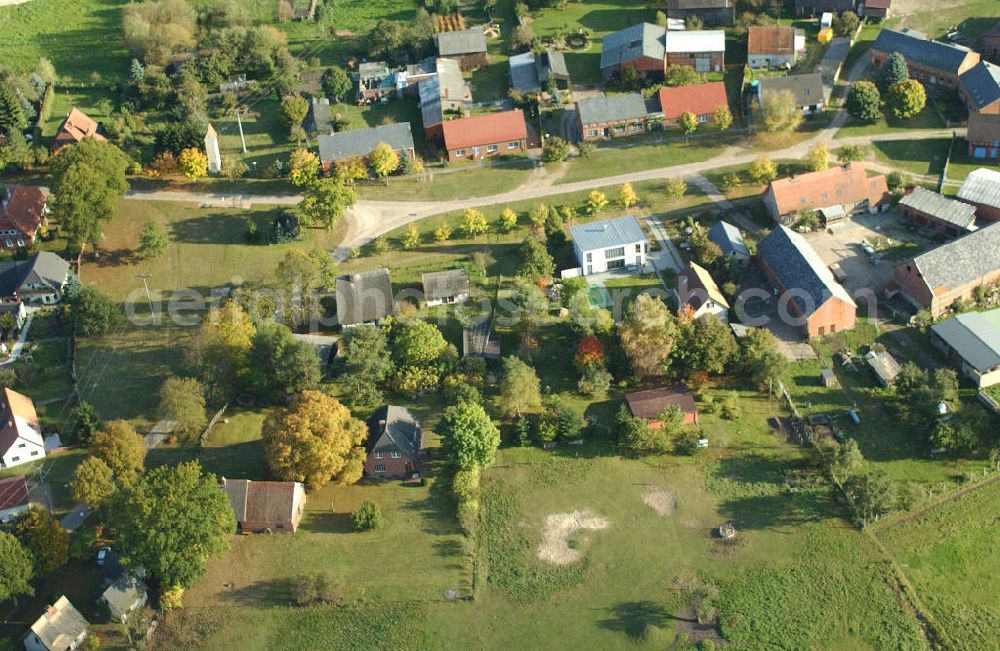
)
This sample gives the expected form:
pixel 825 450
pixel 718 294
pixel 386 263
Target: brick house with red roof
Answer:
pixel 75 128
pixel 265 506
pixel 395 445
pixel 485 135
pixel 14 497
pixel 847 186
pixel 650 403
pixel 700 99
pixel 22 214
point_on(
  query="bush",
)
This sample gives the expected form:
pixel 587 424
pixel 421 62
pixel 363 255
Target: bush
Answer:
pixel 171 597
pixel 368 516
pixel 465 484
pixel 314 588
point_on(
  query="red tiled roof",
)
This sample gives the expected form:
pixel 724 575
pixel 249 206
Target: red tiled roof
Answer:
pixel 771 39
pixel 75 128
pixel 13 492
pixel 700 99
pixel 649 403
pixel 266 503
pixel 24 209
pixel 829 187
pixel 878 4
pixel 479 130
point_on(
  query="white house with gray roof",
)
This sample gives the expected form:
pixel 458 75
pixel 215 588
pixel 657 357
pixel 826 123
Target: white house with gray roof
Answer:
pixel 609 244
pixel 730 240
pixel 358 143
pixel 39 279
pixel 807 90
pixel 972 339
pixel 60 628
pixel 611 117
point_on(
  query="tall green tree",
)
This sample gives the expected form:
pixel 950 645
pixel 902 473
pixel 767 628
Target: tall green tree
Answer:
pixel 647 334
pixel 384 160
pixel 171 521
pixel 89 180
pixel 293 110
pixel 761 359
pixel 335 83
pixel 864 101
pixel 182 400
pixel 301 277
pixel 708 345
pixel 15 568
pixel 12 118
pixel 152 241
pixel 280 365
pixel 416 342
pixel 85 422
pixel 218 355
pixel 326 201
pixel 874 495
pixel 536 262
pixel 893 70
pixel 367 364
pixel 95 313
pixel 468 436
pixel 520 389
pixel 46 541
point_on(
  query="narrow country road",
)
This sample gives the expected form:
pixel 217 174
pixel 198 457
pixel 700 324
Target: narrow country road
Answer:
pixel 369 219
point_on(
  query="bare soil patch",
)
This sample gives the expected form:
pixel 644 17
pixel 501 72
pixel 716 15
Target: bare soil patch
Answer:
pixel 558 529
pixel 660 500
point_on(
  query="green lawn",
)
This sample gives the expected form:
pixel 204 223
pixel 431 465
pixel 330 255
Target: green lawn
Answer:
pixel 886 440
pixel 948 554
pixel 456 180
pixel 926 119
pixel 79 38
pixel 620 157
pixel 923 157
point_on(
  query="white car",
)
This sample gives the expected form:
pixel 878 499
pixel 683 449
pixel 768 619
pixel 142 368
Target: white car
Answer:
pixel 102 555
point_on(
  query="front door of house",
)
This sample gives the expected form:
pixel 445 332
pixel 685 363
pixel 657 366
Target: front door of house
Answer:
pixel 475 152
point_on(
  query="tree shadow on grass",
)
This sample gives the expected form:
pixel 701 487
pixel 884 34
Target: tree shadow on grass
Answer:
pixel 239 461
pixel 634 617
pixel 219 228
pixel 262 593
pixel 327 522
pixel 787 509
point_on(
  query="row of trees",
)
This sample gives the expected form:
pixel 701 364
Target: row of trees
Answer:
pixel 894 92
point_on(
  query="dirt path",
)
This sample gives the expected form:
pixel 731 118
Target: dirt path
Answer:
pixel 555 547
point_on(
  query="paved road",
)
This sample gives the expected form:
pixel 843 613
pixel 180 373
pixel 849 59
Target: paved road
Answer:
pixel 72 520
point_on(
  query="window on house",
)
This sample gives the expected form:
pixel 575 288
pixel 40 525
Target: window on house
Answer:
pixel 590 257
pixel 379 468
pixel 35 453
pixel 617 252
pixel 459 153
pixel 826 195
pixel 637 126
pixel 21 445
pixel 378 455
pixel 620 129
pixel 702 119
pixel 638 248
pixel 15 459
pixel 491 149
pixel 513 145
pixel 394 454
pixel 592 133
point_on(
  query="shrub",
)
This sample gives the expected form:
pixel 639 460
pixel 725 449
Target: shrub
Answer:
pixel 368 516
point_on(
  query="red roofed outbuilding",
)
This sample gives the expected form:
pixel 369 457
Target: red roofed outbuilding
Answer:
pixel 75 128
pixel 485 135
pixel 700 99
pixel 848 187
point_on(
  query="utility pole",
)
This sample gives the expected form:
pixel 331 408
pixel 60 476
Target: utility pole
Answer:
pixel 149 299
pixel 239 122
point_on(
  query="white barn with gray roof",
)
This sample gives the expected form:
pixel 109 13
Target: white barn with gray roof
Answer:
pixel 973 340
pixel 981 188
pixel 930 209
pixel 609 244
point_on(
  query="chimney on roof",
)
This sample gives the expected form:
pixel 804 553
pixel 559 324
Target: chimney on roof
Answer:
pixel 381 425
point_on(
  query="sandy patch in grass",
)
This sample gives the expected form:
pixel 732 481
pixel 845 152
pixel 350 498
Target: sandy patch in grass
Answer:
pixel 661 501
pixel 559 527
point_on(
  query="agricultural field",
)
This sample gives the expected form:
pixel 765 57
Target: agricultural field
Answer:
pixel 948 551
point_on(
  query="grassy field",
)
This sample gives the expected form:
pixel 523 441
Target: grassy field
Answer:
pixel 79 38
pixel 58 470
pixel 794 558
pixel 948 553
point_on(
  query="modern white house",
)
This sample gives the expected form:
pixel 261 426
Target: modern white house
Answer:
pixel 609 244
pixel 20 434
pixel 125 596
